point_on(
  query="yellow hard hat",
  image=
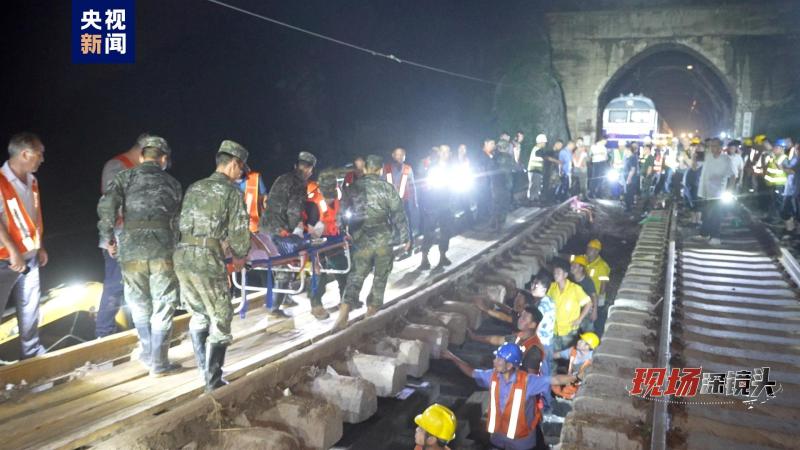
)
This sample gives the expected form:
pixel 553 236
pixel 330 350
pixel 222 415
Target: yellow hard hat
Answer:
pixel 760 138
pixel 748 142
pixel 595 243
pixel 438 421
pixel 581 259
pixel 695 140
pixel 591 339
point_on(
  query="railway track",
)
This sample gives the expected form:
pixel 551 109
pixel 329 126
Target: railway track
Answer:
pixel 736 309
pixel 123 408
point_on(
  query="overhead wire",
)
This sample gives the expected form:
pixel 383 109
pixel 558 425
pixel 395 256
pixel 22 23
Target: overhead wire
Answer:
pixel 369 51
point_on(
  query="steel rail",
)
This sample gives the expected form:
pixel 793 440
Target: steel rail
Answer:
pixel 658 437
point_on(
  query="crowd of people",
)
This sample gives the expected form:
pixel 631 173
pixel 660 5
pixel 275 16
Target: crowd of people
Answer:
pixel 551 323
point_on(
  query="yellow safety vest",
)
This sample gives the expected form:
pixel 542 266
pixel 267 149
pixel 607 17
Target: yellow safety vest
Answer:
pixel 775 175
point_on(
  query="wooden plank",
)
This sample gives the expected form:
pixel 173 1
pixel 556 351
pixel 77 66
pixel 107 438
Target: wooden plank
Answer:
pixel 59 362
pixel 83 420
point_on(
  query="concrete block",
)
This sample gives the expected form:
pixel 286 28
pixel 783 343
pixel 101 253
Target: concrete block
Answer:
pixel 518 275
pixel 590 431
pixel 387 374
pixel 415 355
pixel 472 313
pixel 257 438
pixel 495 292
pixel 456 324
pixel 634 304
pixel 356 398
pixel 616 365
pixel 634 294
pixel 619 407
pixel 635 333
pixel 316 422
pixel 436 337
pixel 619 315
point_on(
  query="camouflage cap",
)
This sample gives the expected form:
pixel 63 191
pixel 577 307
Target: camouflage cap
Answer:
pixel 307 158
pixel 374 162
pixel 327 182
pixel 234 149
pixel 156 142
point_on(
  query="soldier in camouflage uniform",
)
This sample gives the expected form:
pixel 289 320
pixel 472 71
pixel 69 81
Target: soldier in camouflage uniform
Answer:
pixel 377 212
pixel 502 184
pixel 213 216
pixel 150 200
pixel 283 217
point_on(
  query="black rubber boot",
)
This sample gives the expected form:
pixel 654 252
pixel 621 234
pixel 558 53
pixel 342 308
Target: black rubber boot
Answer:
pixel 426 265
pixel 199 343
pixel 215 359
pixel 160 346
pixel 145 357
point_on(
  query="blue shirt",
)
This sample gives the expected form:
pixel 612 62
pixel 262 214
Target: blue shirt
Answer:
pixel 547 325
pixel 579 360
pixel 565 156
pixel 261 188
pixel 790 188
pixel 537 384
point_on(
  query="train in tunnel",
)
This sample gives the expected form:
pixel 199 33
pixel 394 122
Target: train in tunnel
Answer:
pixel 633 118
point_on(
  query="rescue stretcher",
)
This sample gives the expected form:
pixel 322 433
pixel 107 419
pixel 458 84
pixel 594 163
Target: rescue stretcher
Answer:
pixel 265 256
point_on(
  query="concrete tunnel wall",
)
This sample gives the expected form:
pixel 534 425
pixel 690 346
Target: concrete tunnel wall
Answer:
pixel 590 48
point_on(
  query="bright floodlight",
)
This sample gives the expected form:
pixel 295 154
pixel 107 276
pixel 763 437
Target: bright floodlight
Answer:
pixel 463 178
pixel 437 177
pixel 723 135
pixel 612 175
pixel 728 197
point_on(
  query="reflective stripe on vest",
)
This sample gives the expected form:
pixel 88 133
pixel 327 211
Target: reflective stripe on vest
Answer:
pixel 512 421
pixel 536 162
pixel 387 170
pixel 658 161
pixel 251 199
pixel 775 175
pixel 619 159
pixel 24 233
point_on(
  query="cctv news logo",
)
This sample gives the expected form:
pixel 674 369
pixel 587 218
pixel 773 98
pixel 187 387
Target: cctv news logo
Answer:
pixel 103 31
pixel 752 386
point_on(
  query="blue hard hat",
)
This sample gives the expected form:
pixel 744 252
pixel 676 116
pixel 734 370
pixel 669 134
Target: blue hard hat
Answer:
pixel 783 142
pixel 510 352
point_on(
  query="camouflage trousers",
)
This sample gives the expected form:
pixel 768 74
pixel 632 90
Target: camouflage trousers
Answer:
pixel 334 261
pixel 208 299
pixel 151 292
pixel 366 259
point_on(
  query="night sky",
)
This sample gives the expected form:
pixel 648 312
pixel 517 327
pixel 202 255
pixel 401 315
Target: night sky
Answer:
pixel 204 73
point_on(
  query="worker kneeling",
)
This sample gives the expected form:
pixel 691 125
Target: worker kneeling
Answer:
pixel 514 415
pixel 580 357
pixel 436 426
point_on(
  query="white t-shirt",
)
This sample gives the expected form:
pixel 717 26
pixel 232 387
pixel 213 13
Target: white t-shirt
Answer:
pixel 714 175
pixel 738 164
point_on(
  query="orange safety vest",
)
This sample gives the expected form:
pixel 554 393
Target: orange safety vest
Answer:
pixel 529 344
pixel 570 390
pixel 401 190
pixel 24 232
pixel 658 163
pixel 511 421
pixel 251 196
pixel 327 211
pixel 125 162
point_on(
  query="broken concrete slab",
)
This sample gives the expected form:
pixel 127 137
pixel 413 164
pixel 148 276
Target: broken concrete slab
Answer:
pixel 436 337
pixel 591 431
pixel 316 422
pixel 456 324
pixel 355 397
pixel 386 373
pixel 472 313
pixel 414 354
pixel 257 438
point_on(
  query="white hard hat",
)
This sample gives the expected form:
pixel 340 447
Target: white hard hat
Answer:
pixel 541 139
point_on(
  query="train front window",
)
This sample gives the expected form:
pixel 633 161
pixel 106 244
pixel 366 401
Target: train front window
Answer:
pixel 618 116
pixel 640 116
